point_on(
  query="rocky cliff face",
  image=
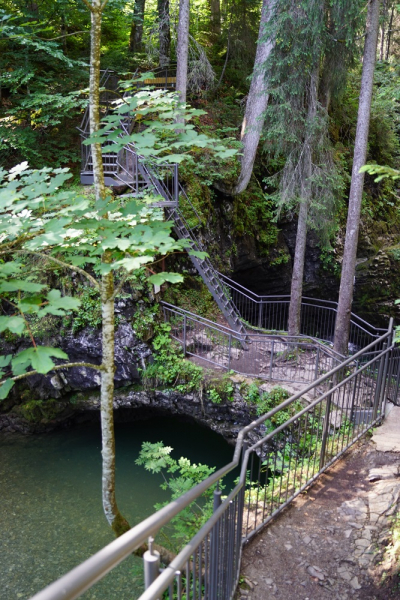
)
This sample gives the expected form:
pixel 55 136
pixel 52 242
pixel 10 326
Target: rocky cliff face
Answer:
pixel 377 281
pixel 130 404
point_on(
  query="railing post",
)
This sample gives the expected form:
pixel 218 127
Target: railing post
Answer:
pixel 229 352
pixel 387 375
pixel 176 184
pixel 151 563
pixel 271 364
pixel 184 335
pixel 325 431
pixel 384 383
pixel 260 314
pixel 136 173
pixel 379 380
pixel 214 554
pixel 316 364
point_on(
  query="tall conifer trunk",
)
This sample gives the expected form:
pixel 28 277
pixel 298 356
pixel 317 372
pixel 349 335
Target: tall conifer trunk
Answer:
pixel 164 32
pixel 135 38
pixel 257 102
pixel 296 292
pixel 342 328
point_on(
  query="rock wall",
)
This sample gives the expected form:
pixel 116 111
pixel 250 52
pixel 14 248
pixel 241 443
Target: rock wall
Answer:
pixel 130 404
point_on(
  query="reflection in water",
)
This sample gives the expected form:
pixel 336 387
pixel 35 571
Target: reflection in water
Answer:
pixel 51 516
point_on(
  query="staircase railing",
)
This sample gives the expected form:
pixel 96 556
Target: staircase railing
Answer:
pixel 270 357
pixel 318 317
pixel 278 461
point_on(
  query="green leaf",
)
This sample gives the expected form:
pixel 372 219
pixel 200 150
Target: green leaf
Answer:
pixel 5 360
pixel 24 286
pixel 14 324
pixel 5 388
pixel 58 305
pixel 39 358
pixel 160 278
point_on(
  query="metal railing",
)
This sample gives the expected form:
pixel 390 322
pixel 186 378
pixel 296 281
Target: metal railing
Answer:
pixel 282 453
pixel 264 356
pixel 317 316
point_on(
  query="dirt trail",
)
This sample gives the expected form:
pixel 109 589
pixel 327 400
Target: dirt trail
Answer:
pixel 329 544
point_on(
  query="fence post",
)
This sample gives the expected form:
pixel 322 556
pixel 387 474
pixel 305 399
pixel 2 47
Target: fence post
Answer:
pixel 379 381
pixel 137 173
pixel 272 360
pixel 260 314
pixel 316 367
pixel 325 431
pixel 176 184
pixel 184 335
pixel 214 554
pixel 386 375
pixel 151 563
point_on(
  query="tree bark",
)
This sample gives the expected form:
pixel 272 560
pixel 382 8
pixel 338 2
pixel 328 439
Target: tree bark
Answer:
pixel 164 32
pixel 182 49
pixel 256 105
pixel 215 7
pixel 389 33
pixel 94 98
pixel 114 517
pixel 342 327
pixel 383 29
pixel 135 38
pixel 296 291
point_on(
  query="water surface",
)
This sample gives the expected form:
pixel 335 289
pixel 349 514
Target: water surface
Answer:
pixel 51 515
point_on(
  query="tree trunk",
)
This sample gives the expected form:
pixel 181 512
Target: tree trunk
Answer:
pixel 135 39
pixel 164 32
pixel 114 517
pixel 389 33
pixel 383 30
pixel 256 105
pixel 296 291
pixel 342 327
pixel 215 7
pixel 94 98
pixel 182 49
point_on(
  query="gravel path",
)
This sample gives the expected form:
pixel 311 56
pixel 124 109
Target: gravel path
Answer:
pixel 330 543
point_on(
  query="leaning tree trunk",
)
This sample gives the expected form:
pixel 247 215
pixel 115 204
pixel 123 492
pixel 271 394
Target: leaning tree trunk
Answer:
pixel 256 105
pixel 135 38
pixel 164 32
pixel 114 517
pixel 342 327
pixel 296 291
pixel 182 50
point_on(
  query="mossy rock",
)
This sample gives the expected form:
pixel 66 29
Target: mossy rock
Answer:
pixel 40 411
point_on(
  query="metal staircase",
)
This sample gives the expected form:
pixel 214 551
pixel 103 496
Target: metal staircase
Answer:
pixel 127 168
pixel 205 268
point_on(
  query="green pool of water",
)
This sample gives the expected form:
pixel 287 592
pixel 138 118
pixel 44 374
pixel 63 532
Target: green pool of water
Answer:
pixel 51 515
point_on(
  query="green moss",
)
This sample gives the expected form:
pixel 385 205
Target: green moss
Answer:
pixel 194 296
pixel 38 411
pixel 254 216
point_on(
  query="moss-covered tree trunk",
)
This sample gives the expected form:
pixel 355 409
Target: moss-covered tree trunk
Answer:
pixel 114 517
